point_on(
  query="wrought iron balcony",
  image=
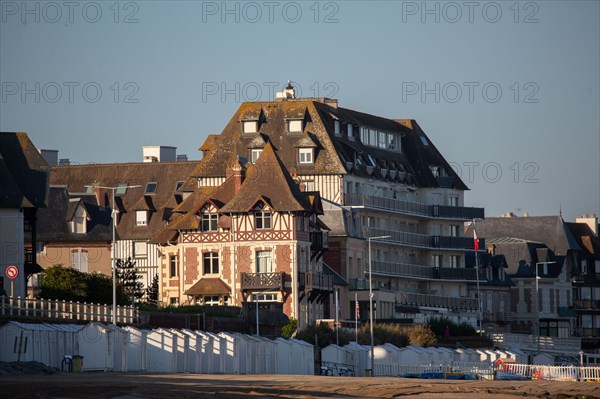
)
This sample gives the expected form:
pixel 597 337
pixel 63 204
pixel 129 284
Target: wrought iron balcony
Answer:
pixel 438 301
pixel 590 304
pixel 422 271
pixel 414 208
pixel 587 332
pixel 424 240
pixel 263 281
pixel 449 273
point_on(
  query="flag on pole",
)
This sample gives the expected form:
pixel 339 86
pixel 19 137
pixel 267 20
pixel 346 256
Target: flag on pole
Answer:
pixel 357 308
pixel 475 240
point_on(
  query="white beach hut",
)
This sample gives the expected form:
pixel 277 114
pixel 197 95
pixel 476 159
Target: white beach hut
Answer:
pixel 161 351
pixel 182 351
pixel 136 349
pixel 194 352
pixel 304 357
pixel 284 356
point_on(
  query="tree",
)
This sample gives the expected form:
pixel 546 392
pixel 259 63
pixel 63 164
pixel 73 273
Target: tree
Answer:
pixel 63 283
pixel 152 291
pixel 128 278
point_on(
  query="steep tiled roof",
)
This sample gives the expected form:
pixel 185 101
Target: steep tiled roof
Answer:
pixel 23 173
pixel 586 239
pixel 334 154
pixel 209 286
pixel 268 181
pixel 165 174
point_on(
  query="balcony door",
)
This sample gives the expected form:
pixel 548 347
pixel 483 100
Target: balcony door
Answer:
pixel 264 262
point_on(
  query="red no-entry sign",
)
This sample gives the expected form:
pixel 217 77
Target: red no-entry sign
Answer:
pixel 12 272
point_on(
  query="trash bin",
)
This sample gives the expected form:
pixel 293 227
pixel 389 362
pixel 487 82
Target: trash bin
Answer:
pixel 77 363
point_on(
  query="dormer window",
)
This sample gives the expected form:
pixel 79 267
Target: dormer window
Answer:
pixel 254 154
pixel 350 131
pixel 305 155
pixel 178 185
pixel 151 188
pixel 294 126
pixel 262 218
pixel 121 189
pixel 209 221
pixel 436 170
pixel 336 128
pixel 250 126
pixel 141 218
pixel 79 222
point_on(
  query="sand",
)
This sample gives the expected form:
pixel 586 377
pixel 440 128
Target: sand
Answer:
pixel 182 386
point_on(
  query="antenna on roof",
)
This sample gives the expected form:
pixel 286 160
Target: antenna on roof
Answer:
pixel 288 92
pixel 560 209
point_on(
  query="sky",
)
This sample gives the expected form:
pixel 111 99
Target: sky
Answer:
pixel 508 91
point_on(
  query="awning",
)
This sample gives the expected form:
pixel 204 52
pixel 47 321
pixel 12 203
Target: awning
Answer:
pixel 209 286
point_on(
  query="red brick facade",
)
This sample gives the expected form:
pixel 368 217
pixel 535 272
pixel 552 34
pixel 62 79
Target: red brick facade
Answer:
pixel 192 266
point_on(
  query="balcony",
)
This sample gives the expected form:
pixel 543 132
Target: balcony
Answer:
pixel 530 342
pixel 263 281
pixel 413 208
pixel 425 241
pixel 422 271
pixel 438 301
pixel 316 282
pixel 588 304
pixel 587 332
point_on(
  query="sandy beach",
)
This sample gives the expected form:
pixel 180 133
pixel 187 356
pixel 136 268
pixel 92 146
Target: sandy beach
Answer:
pixel 182 386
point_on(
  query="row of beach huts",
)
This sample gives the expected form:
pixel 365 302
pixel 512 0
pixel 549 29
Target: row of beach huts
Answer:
pixel 128 349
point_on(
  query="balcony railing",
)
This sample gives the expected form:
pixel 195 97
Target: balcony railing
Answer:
pixel 414 208
pixel 586 303
pixel 531 342
pixel 422 271
pixel 587 332
pixel 423 240
pixel 438 301
pixel 317 281
pixel 262 281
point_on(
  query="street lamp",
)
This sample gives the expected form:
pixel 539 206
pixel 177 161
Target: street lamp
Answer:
pixel 371 302
pixel 112 246
pixel 537 302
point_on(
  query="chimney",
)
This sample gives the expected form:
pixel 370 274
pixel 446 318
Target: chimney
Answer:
pixel 182 158
pixel 50 156
pixel 64 162
pixel 238 172
pixel 288 92
pixel 590 220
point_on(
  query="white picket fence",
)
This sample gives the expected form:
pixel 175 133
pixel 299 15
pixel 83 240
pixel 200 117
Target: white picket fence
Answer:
pixel 47 309
pixel 557 373
pixel 484 370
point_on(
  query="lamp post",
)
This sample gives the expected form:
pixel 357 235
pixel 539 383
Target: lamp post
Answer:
pixel 371 302
pixel 537 302
pixel 114 212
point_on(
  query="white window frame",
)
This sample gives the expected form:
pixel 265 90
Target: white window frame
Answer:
pixel 140 249
pixel 212 219
pixel 148 185
pixel 454 230
pixel 453 200
pixel 79 259
pixel 173 266
pixel 213 258
pixel 264 260
pixel 437 260
pixel 250 127
pixel 141 218
pixel 254 154
pixel 336 128
pixel 305 155
pixel 350 131
pixel 454 261
pixel 263 216
pixel 295 126
pixel 266 297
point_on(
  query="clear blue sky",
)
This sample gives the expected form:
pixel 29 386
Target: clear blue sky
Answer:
pixel 506 90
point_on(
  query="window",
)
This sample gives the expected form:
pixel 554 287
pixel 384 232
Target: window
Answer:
pixel 250 126
pixel 584 266
pixel 141 218
pixel 254 154
pixel 151 188
pixel 336 127
pixel 178 185
pixel 79 222
pixel 140 249
pixel 264 262
pixel 174 300
pixel 262 219
pixel 382 140
pixel 424 141
pixel 211 263
pixel 436 260
pixel 209 221
pixel 270 297
pixel 453 200
pixel 306 155
pixel 294 126
pixel 454 230
pixel 89 189
pixel 435 170
pixel 79 260
pixel 173 266
pixel 454 261
pixel 212 300
pixel 121 189
pixel 351 132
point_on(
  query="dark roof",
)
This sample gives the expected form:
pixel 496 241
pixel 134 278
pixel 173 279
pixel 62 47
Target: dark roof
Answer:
pixel 487 260
pixel 165 174
pixel 550 230
pixel 23 173
pixel 334 154
pixel 53 221
pixel 337 278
